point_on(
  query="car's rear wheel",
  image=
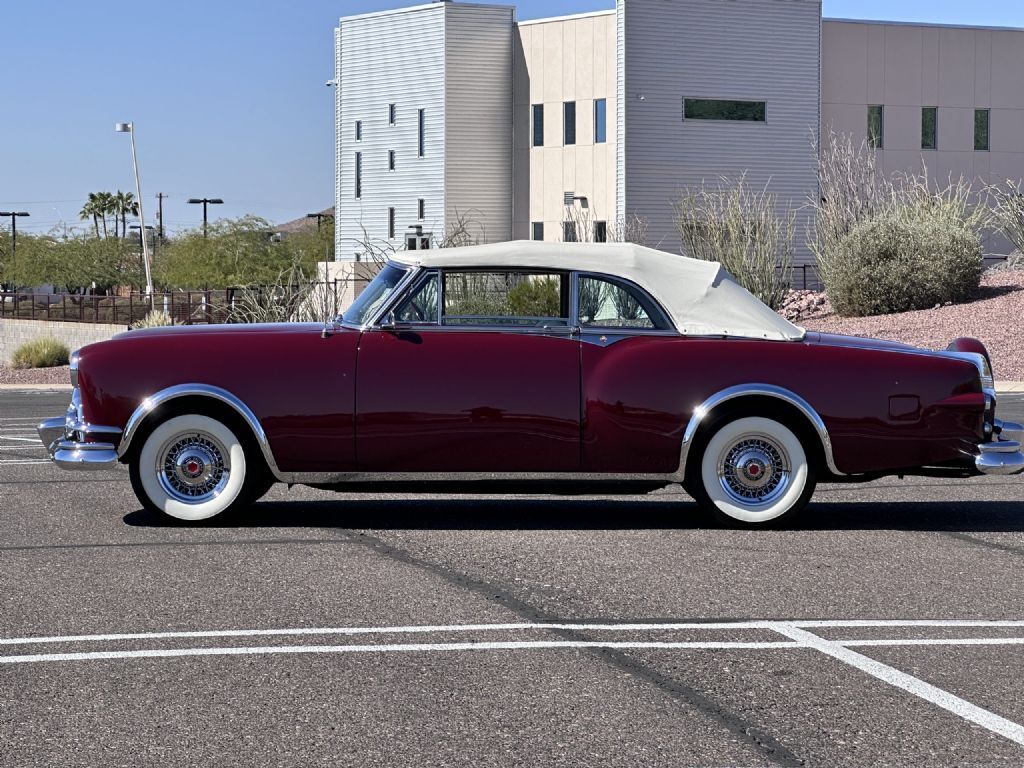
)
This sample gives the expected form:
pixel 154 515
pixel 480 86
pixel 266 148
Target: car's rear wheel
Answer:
pixel 752 472
pixel 192 467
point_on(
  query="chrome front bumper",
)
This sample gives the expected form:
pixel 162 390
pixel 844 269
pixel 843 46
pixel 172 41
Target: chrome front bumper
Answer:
pixel 1002 456
pixel 75 444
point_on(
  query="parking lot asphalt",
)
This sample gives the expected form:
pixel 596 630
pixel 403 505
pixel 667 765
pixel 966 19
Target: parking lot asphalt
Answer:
pixel 885 628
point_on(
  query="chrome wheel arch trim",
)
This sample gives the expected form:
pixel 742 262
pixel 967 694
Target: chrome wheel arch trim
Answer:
pixel 151 403
pixel 701 412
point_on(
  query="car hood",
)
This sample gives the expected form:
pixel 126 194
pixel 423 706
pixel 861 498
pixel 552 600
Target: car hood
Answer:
pixel 227 329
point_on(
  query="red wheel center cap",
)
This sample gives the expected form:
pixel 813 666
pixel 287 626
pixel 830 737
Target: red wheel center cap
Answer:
pixel 754 469
pixel 193 467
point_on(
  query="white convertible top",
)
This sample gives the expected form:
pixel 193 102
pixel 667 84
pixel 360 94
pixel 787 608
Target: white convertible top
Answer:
pixel 701 298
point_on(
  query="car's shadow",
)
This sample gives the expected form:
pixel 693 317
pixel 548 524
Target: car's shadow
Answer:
pixel 550 514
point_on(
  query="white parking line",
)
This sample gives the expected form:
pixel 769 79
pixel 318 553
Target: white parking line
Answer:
pixel 20 439
pixel 796 632
pixel 388 648
pixel 961 707
pixel 17 463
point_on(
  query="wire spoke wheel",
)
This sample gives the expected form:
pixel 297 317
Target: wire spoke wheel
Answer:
pixel 754 470
pixel 193 468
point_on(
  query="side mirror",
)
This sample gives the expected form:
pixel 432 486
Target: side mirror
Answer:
pixel 388 322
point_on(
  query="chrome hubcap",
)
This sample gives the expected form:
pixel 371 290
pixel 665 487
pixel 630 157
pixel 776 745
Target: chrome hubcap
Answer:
pixel 193 468
pixel 754 470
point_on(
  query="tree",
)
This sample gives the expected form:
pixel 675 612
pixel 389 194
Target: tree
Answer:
pixel 235 252
pixel 124 205
pixel 92 210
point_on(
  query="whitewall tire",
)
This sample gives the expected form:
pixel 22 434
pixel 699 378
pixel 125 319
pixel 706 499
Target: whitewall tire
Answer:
pixel 754 471
pixel 191 467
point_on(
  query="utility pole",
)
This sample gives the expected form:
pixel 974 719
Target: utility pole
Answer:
pixel 14 237
pixel 160 215
pixel 205 201
pixel 318 217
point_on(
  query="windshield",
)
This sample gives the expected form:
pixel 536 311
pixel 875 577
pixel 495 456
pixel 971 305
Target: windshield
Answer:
pixel 373 295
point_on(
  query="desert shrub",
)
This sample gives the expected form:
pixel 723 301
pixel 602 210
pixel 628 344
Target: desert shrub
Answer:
pixel 743 228
pixel 1008 211
pixel 154 319
pixel 46 352
pixel 535 298
pixel 894 262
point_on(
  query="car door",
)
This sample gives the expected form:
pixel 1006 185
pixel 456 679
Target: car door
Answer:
pixel 474 371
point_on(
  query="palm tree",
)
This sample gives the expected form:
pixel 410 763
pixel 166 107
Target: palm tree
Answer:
pixel 125 205
pixel 105 203
pixel 91 210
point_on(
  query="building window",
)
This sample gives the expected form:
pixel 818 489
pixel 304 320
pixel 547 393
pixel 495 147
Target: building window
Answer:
pixel 723 109
pixel 600 121
pixel 929 127
pixel 600 231
pixel 876 126
pixel 538 125
pixel 359 130
pixel 538 230
pixel 391 114
pixel 421 209
pixel 569 232
pixel 422 132
pixel 391 223
pixel 391 159
pixel 981 126
pixel 359 175
pixel 569 122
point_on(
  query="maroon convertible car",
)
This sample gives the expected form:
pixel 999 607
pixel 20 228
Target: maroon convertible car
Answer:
pixel 557 367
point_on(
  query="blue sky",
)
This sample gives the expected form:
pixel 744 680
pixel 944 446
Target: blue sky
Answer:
pixel 228 98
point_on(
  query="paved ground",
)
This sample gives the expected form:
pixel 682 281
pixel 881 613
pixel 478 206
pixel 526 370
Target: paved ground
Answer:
pixel 678 644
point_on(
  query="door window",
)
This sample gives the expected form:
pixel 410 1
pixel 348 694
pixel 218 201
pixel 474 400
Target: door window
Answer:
pixel 421 306
pixel 507 298
pixel 610 304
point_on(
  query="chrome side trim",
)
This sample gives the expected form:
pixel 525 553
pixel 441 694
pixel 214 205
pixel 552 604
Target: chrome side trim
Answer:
pixel 154 401
pixel 754 390
pixel 468 477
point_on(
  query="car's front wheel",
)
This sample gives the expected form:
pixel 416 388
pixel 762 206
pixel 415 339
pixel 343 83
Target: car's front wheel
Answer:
pixel 753 471
pixel 192 467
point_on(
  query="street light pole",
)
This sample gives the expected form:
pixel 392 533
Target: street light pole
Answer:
pixel 129 128
pixel 14 237
pixel 205 201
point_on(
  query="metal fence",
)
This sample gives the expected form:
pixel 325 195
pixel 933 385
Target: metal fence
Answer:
pixel 184 307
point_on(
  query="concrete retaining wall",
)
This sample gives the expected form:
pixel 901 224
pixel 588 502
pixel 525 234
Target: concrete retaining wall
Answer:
pixel 14 333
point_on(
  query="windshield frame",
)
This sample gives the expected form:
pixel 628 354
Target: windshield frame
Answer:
pixel 374 315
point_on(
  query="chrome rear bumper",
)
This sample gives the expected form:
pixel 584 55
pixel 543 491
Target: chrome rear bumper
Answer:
pixel 1002 456
pixel 75 444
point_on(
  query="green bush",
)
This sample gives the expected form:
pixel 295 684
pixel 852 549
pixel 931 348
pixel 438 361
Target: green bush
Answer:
pixel 46 352
pixel 902 260
pixel 156 318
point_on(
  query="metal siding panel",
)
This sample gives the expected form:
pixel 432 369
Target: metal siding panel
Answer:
pixel 620 111
pixel 478 85
pixel 394 58
pixel 752 49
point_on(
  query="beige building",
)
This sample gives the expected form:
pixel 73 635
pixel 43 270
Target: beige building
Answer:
pixel 950 97
pixel 559 62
